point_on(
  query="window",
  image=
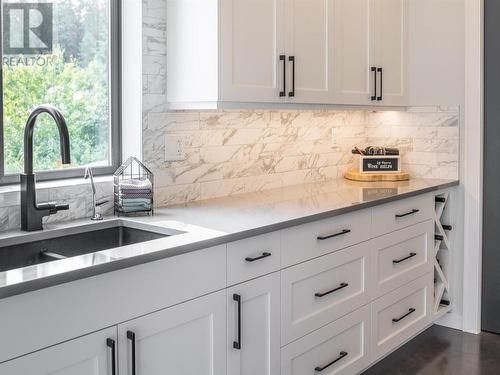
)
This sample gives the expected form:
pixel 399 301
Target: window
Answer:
pixel 64 53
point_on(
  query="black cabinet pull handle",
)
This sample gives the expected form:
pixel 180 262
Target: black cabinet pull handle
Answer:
pixel 237 344
pixel 440 199
pixel 374 70
pixel 283 58
pixel 131 338
pixel 344 231
pixel 342 286
pixel 264 255
pixel 410 311
pixel 381 84
pixel 447 227
pixel 412 212
pixel 397 261
pixel 110 343
pixel 292 60
pixel 438 237
pixel 341 355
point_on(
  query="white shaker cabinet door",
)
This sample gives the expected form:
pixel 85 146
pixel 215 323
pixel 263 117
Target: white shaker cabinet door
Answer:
pixel 309 28
pixel 187 339
pixel 251 34
pixel 353 52
pixel 391 44
pixel 94 354
pixel 254 327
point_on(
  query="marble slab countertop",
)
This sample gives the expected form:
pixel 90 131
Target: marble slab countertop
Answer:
pixel 205 224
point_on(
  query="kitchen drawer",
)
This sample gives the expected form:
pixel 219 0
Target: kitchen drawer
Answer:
pixel 341 347
pixel 401 256
pixel 401 314
pixel 253 257
pixel 317 292
pixel 397 215
pixel 312 240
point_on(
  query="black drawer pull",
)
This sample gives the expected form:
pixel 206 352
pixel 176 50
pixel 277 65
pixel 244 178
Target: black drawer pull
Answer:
pixel 283 92
pixel 110 343
pixel 381 97
pixel 264 255
pixel 292 60
pixel 344 231
pixel 447 227
pixel 374 70
pixel 342 286
pixel 237 344
pixel 397 261
pixel 341 355
pixel 410 311
pixel 412 212
pixel 131 338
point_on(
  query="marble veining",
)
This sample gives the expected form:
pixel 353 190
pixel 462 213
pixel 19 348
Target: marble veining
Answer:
pixel 232 152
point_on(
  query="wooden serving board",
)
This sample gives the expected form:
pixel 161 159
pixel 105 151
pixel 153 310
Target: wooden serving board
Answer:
pixel 373 177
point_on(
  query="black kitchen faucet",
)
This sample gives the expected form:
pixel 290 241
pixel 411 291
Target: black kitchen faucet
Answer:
pixel 31 212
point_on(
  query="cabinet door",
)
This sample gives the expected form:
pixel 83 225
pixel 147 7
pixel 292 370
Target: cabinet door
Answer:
pixel 187 339
pixel 391 43
pixel 353 52
pixel 309 41
pixel 88 355
pixel 254 327
pixel 251 35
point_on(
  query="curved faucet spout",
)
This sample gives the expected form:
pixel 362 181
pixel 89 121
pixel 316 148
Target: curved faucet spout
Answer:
pixel 30 128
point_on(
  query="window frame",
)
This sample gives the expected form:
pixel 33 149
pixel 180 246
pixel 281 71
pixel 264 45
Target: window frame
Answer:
pixel 115 109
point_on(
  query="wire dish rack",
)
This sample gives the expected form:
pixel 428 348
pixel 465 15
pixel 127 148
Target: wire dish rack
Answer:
pixel 133 188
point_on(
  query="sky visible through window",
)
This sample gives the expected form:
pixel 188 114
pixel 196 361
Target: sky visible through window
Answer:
pixel 57 52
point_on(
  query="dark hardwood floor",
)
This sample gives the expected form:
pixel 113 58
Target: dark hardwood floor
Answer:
pixel 440 350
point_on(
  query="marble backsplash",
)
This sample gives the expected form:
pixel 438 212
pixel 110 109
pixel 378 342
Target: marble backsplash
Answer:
pixel 233 152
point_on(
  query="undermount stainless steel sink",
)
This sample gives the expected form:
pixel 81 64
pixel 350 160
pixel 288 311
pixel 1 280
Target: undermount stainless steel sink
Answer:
pixel 79 240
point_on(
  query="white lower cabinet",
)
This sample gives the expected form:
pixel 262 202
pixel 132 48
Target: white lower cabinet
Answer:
pixel 253 330
pixel 401 314
pixel 187 339
pixel 94 354
pixel 317 292
pixel 341 347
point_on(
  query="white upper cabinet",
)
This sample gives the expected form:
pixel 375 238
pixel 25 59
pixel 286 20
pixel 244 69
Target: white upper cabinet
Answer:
pixel 309 50
pixel 391 43
pixel 229 53
pixel 353 51
pixel 251 42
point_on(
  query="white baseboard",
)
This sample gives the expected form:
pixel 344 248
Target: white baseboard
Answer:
pixel 451 320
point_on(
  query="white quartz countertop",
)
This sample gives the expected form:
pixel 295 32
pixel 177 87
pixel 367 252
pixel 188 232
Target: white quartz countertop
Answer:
pixel 208 223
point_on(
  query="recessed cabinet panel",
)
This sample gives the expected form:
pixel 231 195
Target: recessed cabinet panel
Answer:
pixel 187 339
pixel 401 256
pixel 87 355
pixel 253 323
pixel 391 49
pixel 353 51
pixel 251 40
pixel 317 292
pixel 399 315
pixel 341 347
pixel 309 32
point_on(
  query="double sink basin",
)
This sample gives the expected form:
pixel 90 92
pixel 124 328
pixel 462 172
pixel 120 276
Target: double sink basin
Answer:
pixel 49 246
